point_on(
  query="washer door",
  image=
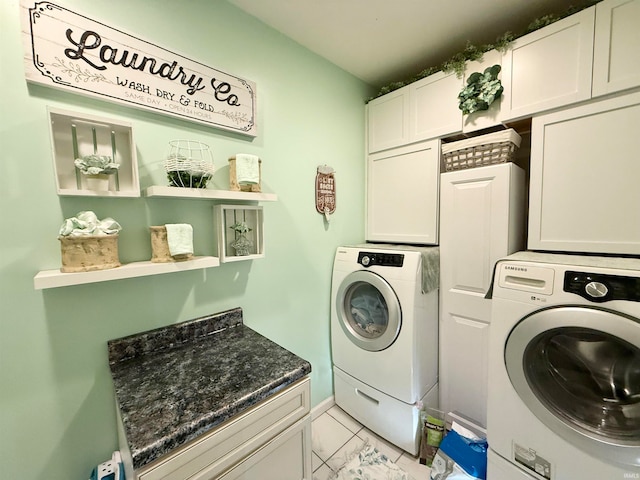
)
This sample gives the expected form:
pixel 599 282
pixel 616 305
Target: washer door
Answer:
pixel 578 370
pixel 368 310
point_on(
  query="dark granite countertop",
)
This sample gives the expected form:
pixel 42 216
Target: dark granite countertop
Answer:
pixel 175 383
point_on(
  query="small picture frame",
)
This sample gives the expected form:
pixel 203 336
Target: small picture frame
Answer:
pixel 240 232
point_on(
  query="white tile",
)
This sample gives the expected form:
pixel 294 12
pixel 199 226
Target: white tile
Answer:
pixel 323 473
pixel 316 461
pixel 327 436
pixel 413 467
pixel 345 419
pixel 391 451
pixel 345 453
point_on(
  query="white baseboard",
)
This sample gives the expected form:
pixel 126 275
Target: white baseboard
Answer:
pixel 322 407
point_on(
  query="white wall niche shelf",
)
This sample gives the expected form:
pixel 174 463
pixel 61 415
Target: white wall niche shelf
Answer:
pixel 55 278
pixel 74 135
pixel 208 194
pixel 228 215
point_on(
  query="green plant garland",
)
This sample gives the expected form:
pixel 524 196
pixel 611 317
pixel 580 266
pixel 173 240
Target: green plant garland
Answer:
pixel 471 52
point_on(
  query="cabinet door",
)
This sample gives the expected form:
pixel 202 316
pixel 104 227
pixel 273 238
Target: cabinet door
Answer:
pixel 617 46
pixel 286 457
pixel 482 220
pixel 584 193
pixel 463 370
pixel 550 67
pixel 402 195
pixel 434 108
pixel 388 121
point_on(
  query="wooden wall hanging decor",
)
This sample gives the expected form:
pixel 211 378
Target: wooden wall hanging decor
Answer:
pixel 66 50
pixel 325 191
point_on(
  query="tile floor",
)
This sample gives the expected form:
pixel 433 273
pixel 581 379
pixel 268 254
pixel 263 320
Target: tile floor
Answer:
pixel 335 435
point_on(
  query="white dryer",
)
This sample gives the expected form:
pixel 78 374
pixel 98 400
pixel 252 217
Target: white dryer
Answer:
pixel 384 340
pixel 564 368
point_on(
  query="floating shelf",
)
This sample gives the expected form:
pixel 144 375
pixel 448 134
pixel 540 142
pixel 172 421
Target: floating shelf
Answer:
pixel 206 194
pixel 56 278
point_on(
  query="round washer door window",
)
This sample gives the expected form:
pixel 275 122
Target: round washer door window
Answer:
pixel 368 310
pixel 578 371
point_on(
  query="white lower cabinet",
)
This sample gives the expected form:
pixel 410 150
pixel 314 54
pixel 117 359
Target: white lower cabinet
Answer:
pixel 281 459
pixel 481 221
pixel 584 193
pixel 271 441
pixel 402 194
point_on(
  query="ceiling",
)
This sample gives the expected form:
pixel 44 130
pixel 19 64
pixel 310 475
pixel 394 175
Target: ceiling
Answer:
pixel 382 41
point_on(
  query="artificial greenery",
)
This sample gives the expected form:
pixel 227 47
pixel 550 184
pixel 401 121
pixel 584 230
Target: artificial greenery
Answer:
pixel 471 52
pixel 240 227
pixel 481 90
pixel 96 165
pixel 182 178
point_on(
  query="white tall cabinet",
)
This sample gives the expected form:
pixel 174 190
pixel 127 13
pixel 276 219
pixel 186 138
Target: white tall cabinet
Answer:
pixel 481 221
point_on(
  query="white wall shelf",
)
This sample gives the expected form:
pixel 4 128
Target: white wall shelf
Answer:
pixel 55 278
pixel 205 193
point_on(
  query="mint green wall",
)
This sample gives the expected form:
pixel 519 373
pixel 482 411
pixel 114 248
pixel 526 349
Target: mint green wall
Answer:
pixel 56 399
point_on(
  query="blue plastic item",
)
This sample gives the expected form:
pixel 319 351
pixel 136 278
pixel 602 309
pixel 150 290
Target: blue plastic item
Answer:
pixel 470 455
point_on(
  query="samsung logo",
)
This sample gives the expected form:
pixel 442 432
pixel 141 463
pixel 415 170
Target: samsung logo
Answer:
pixel 517 269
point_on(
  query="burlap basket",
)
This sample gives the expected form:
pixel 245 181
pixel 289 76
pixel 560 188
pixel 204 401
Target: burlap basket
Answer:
pixel 234 186
pixel 160 252
pixel 87 253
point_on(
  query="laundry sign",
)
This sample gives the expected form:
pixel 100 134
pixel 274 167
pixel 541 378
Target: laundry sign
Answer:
pixel 66 50
pixel 325 191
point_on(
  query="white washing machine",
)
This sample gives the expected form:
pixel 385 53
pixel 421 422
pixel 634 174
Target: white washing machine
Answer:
pixel 384 340
pixel 564 368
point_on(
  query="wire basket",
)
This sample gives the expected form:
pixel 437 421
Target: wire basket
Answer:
pixel 189 164
pixel 490 149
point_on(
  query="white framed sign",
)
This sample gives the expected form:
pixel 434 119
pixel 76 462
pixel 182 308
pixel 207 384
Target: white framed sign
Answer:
pixel 66 50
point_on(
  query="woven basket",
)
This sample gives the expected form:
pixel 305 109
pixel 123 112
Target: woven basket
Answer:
pixel 89 252
pixel 490 149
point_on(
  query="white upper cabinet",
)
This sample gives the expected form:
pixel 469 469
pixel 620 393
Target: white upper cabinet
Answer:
pixel 423 110
pixel 402 194
pixel 434 108
pixel 616 58
pixel 550 67
pixel 584 193
pixel 388 120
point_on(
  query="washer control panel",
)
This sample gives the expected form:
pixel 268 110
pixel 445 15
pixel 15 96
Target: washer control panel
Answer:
pixel 602 288
pixel 369 259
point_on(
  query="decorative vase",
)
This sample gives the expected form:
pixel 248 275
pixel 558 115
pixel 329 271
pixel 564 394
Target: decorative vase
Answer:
pixel 99 182
pixel 242 245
